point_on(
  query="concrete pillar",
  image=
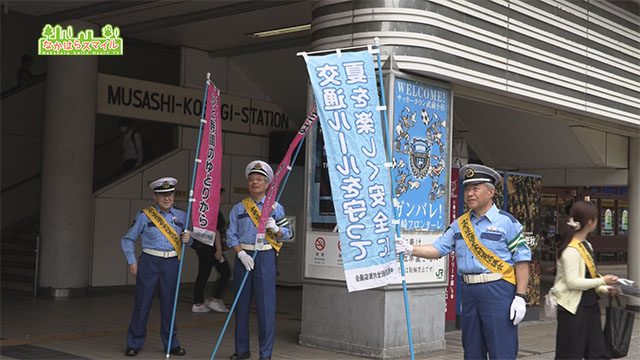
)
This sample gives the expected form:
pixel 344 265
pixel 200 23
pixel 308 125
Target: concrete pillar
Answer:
pixel 66 209
pixel 633 236
pixel 366 323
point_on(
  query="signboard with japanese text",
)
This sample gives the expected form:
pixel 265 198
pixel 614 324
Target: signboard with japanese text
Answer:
pixel 420 131
pixel 420 270
pixel 138 99
pixel 345 89
pixel 323 256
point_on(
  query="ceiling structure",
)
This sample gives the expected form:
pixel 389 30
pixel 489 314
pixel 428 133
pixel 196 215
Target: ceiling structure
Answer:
pixel 501 136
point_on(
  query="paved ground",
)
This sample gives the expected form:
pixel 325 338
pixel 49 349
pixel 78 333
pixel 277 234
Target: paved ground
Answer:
pixel 94 327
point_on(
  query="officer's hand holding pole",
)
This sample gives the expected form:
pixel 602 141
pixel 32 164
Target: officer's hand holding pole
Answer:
pixel 518 309
pixel 185 236
pixel 403 247
pixel 246 260
pixel 271 225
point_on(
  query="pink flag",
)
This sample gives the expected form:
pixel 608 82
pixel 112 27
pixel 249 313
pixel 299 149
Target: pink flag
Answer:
pixel 283 168
pixel 206 189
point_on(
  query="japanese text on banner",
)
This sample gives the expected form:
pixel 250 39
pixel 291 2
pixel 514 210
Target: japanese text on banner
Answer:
pixel 206 189
pixel 421 153
pixel 346 93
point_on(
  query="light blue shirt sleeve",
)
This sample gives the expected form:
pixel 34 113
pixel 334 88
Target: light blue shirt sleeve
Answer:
pixel 232 230
pixel 129 240
pixel 522 251
pixel 446 243
pixel 278 215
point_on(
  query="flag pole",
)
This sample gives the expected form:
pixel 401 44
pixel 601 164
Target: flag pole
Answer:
pixel 255 253
pixel 186 225
pixel 376 44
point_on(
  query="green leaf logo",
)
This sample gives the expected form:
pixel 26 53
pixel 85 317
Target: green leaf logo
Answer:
pixel 47 31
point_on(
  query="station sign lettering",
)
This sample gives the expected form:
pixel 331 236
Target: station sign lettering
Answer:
pixel 131 98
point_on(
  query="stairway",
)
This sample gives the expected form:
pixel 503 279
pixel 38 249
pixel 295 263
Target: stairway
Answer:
pixel 18 250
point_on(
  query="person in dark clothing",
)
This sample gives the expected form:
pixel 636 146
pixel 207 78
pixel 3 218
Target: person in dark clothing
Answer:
pixel 132 147
pixel 210 255
pixel 24 75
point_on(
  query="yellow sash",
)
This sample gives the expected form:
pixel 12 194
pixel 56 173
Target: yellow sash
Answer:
pixel 586 256
pixel 255 213
pixel 484 255
pixel 167 230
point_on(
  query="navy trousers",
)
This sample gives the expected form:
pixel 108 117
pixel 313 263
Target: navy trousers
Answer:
pixel 260 284
pixel 486 328
pixel 156 275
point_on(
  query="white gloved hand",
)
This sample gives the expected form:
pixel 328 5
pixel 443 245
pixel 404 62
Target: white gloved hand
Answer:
pixel 271 225
pixel 518 309
pixel 247 260
pixel 403 247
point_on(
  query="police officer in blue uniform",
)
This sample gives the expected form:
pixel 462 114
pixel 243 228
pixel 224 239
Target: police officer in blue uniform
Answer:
pixel 156 270
pixel 261 283
pixel 492 307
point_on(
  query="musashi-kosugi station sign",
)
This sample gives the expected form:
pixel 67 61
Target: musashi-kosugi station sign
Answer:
pixel 131 98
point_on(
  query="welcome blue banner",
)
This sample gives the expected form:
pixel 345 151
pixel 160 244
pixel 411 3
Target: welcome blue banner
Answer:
pixel 421 153
pixel 344 85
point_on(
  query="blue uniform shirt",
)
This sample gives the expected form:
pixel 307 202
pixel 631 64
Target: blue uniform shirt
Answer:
pixel 498 230
pixel 152 237
pixel 241 229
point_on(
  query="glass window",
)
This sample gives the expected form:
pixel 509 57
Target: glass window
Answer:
pixel 607 216
pixel 321 210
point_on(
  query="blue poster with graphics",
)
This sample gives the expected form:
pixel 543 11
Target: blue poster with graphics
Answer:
pixel 421 149
pixel 345 89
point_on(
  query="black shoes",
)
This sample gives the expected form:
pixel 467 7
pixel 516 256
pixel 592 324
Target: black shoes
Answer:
pixel 131 352
pixel 178 351
pixel 237 356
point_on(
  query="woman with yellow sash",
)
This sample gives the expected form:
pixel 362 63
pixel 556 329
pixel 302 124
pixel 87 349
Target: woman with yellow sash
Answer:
pixel 579 333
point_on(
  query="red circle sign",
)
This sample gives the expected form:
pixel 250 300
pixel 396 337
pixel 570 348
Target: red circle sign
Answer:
pixel 320 243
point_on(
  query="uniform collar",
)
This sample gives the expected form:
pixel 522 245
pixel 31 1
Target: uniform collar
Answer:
pixel 168 211
pixel 491 214
pixel 261 201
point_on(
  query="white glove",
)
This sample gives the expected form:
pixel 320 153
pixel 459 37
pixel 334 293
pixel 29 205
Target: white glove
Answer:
pixel 271 225
pixel 518 309
pixel 403 247
pixel 247 260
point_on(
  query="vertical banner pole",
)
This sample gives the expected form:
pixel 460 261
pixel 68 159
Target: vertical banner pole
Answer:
pixel 385 118
pixel 186 225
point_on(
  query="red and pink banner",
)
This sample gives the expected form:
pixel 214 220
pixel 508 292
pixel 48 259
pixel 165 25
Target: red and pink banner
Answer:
pixel 206 189
pixel 283 168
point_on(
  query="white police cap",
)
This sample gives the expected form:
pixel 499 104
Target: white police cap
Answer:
pixel 163 185
pixel 259 167
pixel 475 174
